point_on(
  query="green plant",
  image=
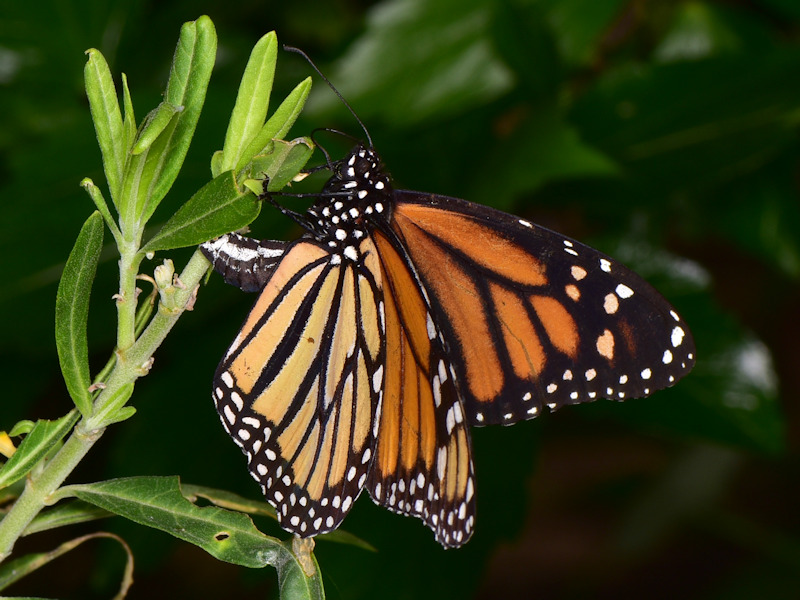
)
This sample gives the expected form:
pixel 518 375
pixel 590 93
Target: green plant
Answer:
pixel 141 163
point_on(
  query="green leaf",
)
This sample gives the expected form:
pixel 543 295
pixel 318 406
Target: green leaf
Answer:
pixel 113 409
pixel 157 502
pixel 693 123
pixel 15 570
pixel 72 311
pixel 282 162
pixel 123 414
pixel 579 26
pixel 35 446
pixel 697 32
pixel 129 122
pixel 286 114
pixel 421 60
pixel 154 125
pixel 761 215
pixel 527 45
pixel 295 583
pixel 150 175
pixel 231 501
pixel 252 101
pixel 279 123
pixel 105 111
pixel 228 500
pixel 544 148
pixel 217 208
pixel 340 536
pixel 21 428
pixel 97 197
pixel 216 163
pixel 67 513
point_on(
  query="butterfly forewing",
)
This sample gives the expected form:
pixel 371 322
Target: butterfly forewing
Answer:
pixel 533 318
pixel 297 390
pixel 423 464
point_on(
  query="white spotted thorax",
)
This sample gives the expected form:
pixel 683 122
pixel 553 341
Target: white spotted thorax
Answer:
pixel 359 191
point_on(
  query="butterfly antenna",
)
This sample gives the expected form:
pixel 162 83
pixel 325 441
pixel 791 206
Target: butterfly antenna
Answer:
pixel 330 85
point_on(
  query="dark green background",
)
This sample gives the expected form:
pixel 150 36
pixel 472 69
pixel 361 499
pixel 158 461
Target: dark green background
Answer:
pixel 664 133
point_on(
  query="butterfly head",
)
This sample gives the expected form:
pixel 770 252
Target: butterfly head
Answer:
pixel 358 192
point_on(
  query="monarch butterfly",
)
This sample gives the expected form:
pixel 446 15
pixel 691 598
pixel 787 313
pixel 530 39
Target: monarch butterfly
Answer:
pixel 401 318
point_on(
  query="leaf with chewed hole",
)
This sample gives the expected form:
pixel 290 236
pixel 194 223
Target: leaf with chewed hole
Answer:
pixel 157 502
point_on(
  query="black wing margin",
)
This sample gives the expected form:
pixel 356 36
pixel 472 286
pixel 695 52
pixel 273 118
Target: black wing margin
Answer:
pixel 533 318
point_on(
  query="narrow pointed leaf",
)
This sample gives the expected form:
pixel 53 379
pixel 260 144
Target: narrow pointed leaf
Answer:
pixel 35 446
pixel 21 428
pixel 216 163
pixel 191 71
pixel 286 114
pixel 157 502
pixel 72 311
pixel 110 411
pixel 123 414
pixel 100 202
pixel 129 121
pixel 68 513
pixel 295 584
pixel 217 208
pixel 282 163
pixel 252 101
pixel 15 570
pixel 231 501
pixel 279 123
pixel 155 124
pixel 107 119
pixel 150 175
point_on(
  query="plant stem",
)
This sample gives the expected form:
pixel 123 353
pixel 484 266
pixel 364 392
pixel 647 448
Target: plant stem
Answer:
pixel 126 299
pixel 34 497
pixel 42 485
pixel 165 319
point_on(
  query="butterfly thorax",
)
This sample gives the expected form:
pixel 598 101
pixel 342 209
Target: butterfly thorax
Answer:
pixel 356 196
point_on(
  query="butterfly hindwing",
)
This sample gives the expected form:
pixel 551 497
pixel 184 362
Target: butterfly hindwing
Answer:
pixel 535 319
pixel 423 464
pixel 296 391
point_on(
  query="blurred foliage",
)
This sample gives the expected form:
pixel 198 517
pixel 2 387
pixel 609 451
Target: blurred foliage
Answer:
pixel 663 132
